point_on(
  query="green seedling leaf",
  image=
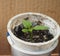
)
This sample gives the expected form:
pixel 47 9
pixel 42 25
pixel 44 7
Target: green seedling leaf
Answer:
pixel 30 30
pixel 27 24
pixel 24 30
pixel 38 27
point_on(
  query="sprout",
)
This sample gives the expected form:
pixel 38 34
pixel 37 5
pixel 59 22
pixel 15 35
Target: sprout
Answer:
pixel 29 28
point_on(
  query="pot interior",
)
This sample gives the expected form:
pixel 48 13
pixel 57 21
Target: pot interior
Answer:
pixel 35 17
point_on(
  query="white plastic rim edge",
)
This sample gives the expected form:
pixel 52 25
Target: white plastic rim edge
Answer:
pixel 28 43
pixel 33 53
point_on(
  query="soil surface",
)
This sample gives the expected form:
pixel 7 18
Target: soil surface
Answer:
pixel 38 36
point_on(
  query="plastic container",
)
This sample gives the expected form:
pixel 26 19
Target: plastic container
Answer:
pixel 20 52
pixel 33 47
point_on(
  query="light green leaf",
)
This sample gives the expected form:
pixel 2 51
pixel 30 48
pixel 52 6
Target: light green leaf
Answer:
pixel 38 27
pixel 27 24
pixel 24 30
pixel 30 30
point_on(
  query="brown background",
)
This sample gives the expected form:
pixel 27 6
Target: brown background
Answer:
pixel 9 8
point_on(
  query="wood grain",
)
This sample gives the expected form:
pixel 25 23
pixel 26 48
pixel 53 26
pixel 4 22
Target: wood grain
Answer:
pixel 9 8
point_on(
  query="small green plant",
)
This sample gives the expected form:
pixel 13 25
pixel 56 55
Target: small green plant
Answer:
pixel 29 28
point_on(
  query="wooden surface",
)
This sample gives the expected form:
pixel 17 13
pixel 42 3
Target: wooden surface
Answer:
pixel 51 55
pixel 9 8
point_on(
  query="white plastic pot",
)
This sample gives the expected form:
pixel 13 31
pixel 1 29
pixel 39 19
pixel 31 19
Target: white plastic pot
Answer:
pixel 19 52
pixel 33 47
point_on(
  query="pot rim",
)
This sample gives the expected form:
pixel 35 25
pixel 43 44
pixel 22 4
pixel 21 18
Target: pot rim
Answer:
pixel 33 53
pixel 29 43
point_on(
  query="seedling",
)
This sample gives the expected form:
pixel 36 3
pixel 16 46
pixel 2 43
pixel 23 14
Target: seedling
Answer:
pixel 29 28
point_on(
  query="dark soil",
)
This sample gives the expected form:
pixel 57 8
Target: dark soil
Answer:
pixel 38 36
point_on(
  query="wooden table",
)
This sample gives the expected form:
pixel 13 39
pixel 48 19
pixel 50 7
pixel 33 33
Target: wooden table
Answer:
pixel 9 8
pixel 51 55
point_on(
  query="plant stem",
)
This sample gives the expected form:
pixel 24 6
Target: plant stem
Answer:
pixel 31 36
